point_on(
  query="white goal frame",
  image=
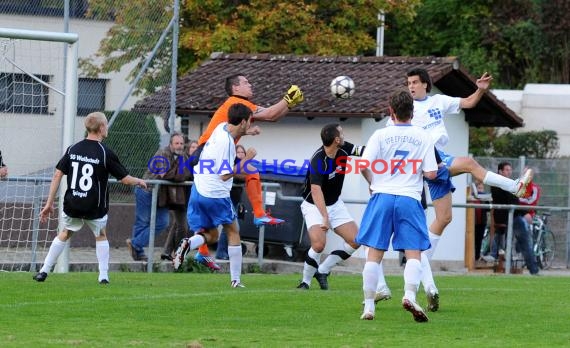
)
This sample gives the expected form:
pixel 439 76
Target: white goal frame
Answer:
pixel 69 95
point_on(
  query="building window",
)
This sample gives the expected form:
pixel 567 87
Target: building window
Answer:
pixel 185 124
pixel 20 93
pixel 90 96
pixel 77 8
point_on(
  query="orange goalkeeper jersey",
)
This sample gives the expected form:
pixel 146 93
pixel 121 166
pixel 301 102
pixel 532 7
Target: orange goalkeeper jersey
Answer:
pixel 221 115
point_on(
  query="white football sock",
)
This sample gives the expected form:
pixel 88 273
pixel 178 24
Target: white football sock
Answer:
pixel 234 252
pixel 55 250
pixel 502 182
pixel 309 270
pixel 412 275
pixel 102 252
pixel 427 275
pixel 434 240
pixel 196 241
pixel 381 284
pixel 369 281
pixel 335 257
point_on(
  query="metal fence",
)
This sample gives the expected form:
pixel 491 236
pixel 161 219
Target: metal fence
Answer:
pixel 553 176
pixel 127 51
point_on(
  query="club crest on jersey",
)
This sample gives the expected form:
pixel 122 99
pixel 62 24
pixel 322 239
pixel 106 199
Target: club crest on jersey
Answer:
pixel 435 113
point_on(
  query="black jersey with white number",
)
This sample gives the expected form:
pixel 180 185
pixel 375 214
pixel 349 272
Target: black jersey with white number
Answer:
pixel 87 166
pixel 329 172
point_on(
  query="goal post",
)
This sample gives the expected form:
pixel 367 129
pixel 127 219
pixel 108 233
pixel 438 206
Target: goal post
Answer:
pixel 38 101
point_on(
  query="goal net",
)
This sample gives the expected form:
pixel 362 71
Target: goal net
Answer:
pixel 35 127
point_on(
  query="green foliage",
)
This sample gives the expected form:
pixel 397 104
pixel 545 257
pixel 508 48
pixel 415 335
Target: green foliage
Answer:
pixel 138 26
pixel 201 310
pixel 556 26
pixel 480 140
pixel 135 139
pixel 533 144
pixel 321 27
pixel 342 27
pixel 517 41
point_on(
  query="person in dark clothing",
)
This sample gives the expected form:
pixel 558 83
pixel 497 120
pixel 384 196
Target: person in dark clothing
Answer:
pixel 520 228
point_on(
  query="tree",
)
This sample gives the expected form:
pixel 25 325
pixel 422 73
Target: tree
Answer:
pixel 533 144
pixel 556 27
pixel 138 26
pixel 321 27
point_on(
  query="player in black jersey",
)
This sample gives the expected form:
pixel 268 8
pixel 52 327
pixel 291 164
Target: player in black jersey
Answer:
pixel 322 207
pixel 87 165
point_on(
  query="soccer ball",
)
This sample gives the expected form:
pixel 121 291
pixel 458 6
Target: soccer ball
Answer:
pixel 342 87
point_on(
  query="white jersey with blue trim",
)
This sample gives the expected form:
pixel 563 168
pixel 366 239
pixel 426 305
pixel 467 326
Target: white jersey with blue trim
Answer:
pixel 217 158
pixel 429 113
pixel 397 157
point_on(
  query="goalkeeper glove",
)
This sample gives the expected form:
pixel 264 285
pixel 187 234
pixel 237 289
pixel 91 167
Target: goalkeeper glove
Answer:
pixel 293 96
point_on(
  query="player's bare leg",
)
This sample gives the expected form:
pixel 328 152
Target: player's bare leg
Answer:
pixel 518 187
pixel 348 232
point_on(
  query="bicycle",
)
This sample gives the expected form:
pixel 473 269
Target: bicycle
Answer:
pixel 543 239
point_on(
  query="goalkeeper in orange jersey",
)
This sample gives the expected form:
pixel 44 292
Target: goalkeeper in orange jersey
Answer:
pixel 240 91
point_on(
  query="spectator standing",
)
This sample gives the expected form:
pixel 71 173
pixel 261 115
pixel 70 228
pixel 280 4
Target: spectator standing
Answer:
pixel 520 230
pixel 141 228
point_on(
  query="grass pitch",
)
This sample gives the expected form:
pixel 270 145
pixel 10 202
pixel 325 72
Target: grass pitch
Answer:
pixel 201 310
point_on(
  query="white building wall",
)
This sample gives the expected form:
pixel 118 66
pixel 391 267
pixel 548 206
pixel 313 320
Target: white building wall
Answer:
pixel 543 107
pixel 42 132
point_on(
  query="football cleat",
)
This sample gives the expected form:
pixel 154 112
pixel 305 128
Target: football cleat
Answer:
pixel 104 282
pixel 432 300
pixel 207 261
pixel 523 182
pixel 322 279
pixel 267 220
pixel 367 316
pixel 303 286
pixel 383 295
pixel 40 277
pixel 237 284
pixel 417 311
pixel 181 252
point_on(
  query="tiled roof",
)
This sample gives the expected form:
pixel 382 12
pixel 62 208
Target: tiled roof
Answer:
pixel 376 78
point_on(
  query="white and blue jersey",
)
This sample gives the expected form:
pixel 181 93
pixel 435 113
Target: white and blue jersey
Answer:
pixel 210 204
pixel 398 157
pixel 429 113
pixel 217 158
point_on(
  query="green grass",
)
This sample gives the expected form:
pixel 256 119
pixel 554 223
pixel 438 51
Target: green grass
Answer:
pixel 194 310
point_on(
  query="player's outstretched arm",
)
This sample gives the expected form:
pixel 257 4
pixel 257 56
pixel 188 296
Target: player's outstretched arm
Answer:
pixel 483 85
pixel 275 112
pixel 131 180
pixel 54 186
